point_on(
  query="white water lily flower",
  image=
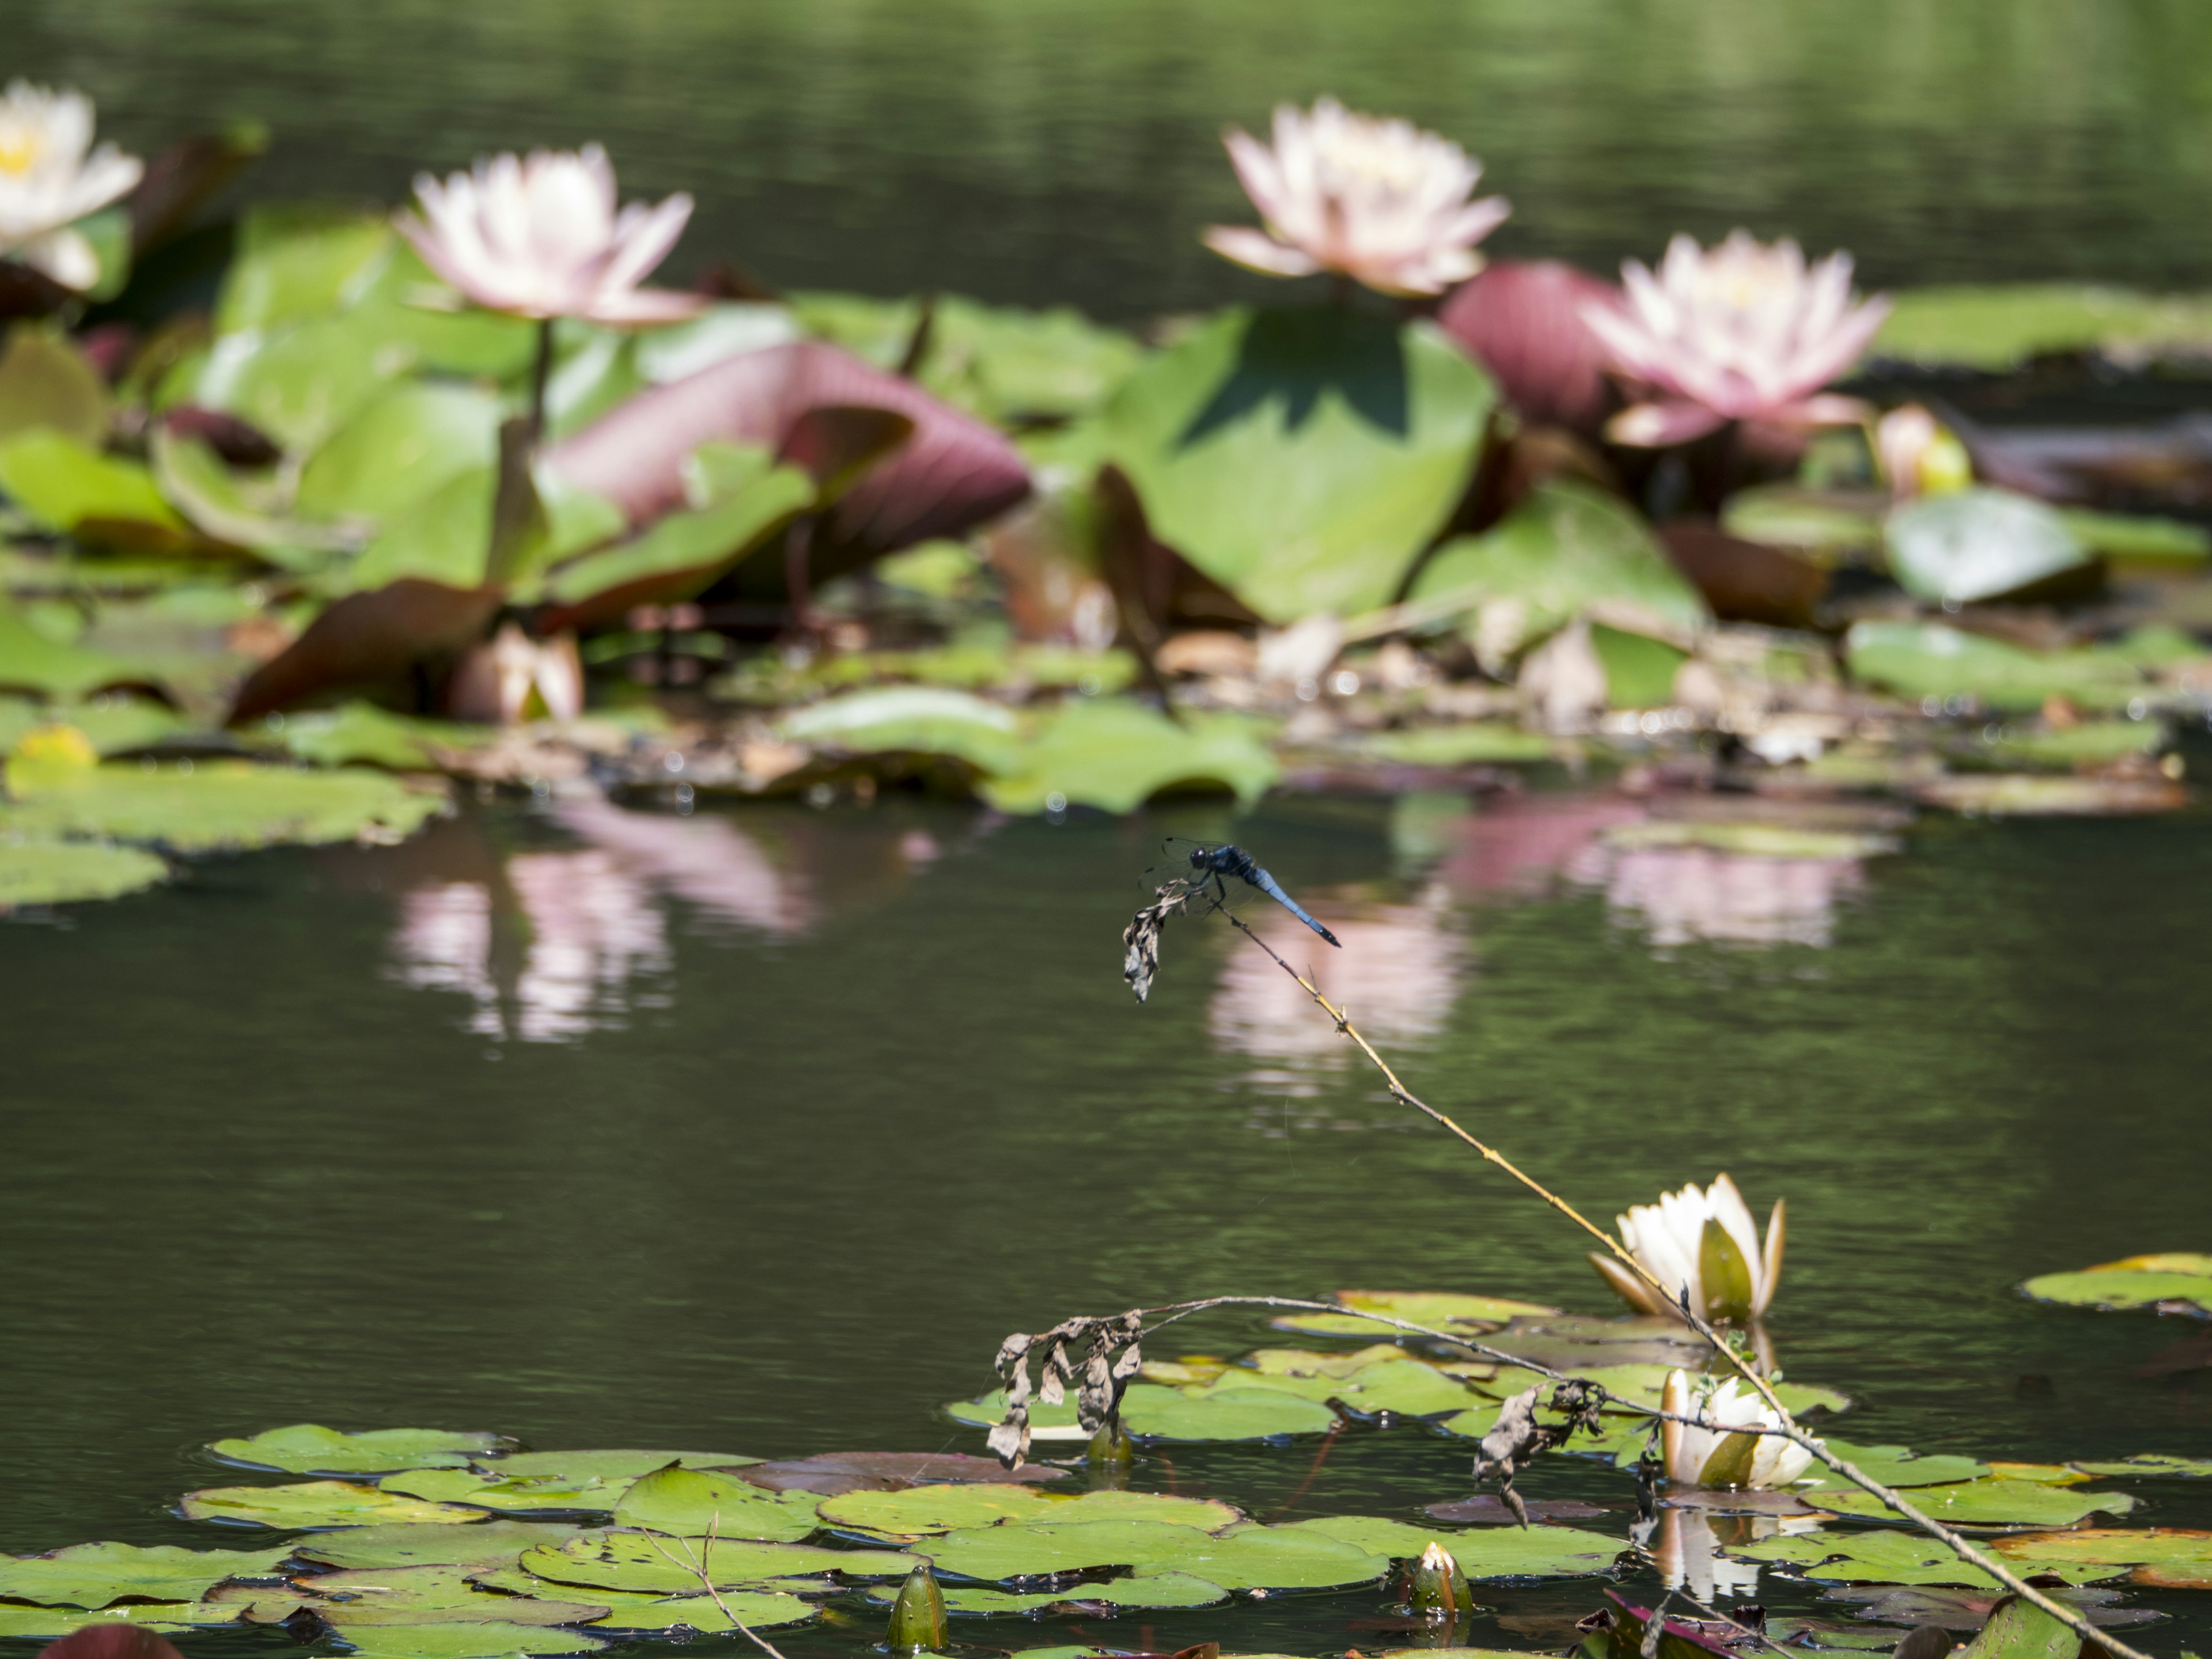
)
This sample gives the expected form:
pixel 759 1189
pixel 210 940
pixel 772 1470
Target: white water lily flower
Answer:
pixel 1743 332
pixel 541 238
pixel 51 176
pixel 1703 1243
pixel 1716 1458
pixel 1379 201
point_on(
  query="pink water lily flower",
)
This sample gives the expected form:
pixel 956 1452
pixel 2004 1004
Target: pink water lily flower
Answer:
pixel 1379 201
pixel 540 237
pixel 51 176
pixel 1743 332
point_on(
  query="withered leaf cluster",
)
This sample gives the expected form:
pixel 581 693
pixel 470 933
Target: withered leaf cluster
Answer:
pixel 1140 939
pixel 1109 1357
pixel 1519 1439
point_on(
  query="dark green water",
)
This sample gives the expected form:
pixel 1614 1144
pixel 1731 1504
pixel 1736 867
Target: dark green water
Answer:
pixel 758 1130
pixel 1068 150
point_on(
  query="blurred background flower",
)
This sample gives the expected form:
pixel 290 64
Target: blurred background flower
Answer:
pixel 51 176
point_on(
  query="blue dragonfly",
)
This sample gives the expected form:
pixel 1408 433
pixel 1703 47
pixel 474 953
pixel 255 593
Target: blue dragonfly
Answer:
pixel 1216 864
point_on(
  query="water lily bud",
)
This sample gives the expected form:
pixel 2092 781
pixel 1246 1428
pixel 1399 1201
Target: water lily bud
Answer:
pixel 1522 320
pixel 1434 1586
pixel 918 1616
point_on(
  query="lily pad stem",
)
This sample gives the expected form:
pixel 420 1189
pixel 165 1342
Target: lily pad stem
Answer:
pixel 2071 1617
pixel 541 371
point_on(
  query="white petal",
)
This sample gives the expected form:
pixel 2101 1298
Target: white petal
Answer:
pixel 1258 251
pixel 65 256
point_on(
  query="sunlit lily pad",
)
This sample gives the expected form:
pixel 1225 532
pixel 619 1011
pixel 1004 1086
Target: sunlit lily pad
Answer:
pixel 1999 327
pixel 2114 1547
pixel 636 1561
pixel 1751 840
pixel 1929 659
pixel 754 1608
pixel 1046 1422
pixel 2000 794
pixel 418 1544
pixel 1898 1558
pixel 1893 1466
pixel 430 1596
pixel 612 1464
pixel 1115 754
pixel 311 1448
pixel 317 1503
pixel 1406 1387
pixel 2122 1286
pixel 1251 1414
pixel 361 734
pixel 1976 544
pixel 50 1623
pixel 923 1509
pixel 1475 743
pixel 522 1492
pixel 463 1641
pixel 2154 1463
pixel 691 1503
pixel 1146 1590
pixel 917 719
pixel 47 871
pixel 1437 1309
pixel 1990 1502
pixel 1535 1552
pixel 1244 1558
pixel 94 1575
pixel 223 805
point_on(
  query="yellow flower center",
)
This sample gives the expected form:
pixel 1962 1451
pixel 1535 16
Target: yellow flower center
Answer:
pixel 19 151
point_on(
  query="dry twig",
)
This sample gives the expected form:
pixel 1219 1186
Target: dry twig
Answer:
pixel 698 1565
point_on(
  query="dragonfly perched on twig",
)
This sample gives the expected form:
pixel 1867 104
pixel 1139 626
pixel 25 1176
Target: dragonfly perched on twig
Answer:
pixel 1219 863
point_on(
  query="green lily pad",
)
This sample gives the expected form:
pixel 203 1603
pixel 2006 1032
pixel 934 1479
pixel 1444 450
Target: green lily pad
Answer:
pixel 608 1465
pixel 1751 840
pixel 1929 659
pixel 756 1609
pixel 1476 743
pixel 65 486
pixel 46 381
pixel 2093 743
pixel 1999 327
pixel 1818 521
pixel 2115 1546
pixel 1437 1309
pixel 1406 1387
pixel 1115 754
pixel 684 551
pixel 917 719
pixel 2014 794
pixel 1893 1466
pixel 33 661
pixel 1535 1552
pixel 2138 535
pixel 311 1448
pixel 361 734
pixel 463 1641
pixel 508 1492
pixel 317 1503
pixel 420 1543
pixel 114 723
pixel 222 805
pixel 39 872
pixel 1565 549
pixel 2121 1287
pixel 409 440
pixel 1243 1558
pixel 2154 1463
pixel 1245 1413
pixel 94 1575
pixel 430 1596
pixel 50 1623
pixel 1301 458
pixel 2020 1629
pixel 1988 1502
pixel 636 1561
pixel 1046 1422
pixel 691 1503
pixel 1895 1558
pixel 1146 1590
pixel 1979 543
pixel 922 1510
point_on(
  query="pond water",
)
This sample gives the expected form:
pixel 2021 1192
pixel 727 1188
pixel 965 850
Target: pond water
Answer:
pixel 602 1125
pixel 1044 151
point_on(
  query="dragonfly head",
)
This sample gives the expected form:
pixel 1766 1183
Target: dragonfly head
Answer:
pixel 1198 858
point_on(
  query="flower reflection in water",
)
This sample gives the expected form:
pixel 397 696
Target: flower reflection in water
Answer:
pixel 1682 894
pixel 1686 1546
pixel 1398 971
pixel 707 862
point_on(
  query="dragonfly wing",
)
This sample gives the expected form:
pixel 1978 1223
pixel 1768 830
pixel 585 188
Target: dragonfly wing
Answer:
pixel 1273 888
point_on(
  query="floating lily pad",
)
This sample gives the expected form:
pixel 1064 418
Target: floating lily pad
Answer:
pixel 1148 1589
pixel 829 1473
pixel 2093 743
pixel 2153 1463
pixel 311 1448
pixel 923 1509
pixel 691 1503
pixel 1437 1309
pixel 2122 1287
pixel 917 719
pixel 317 1503
pixel 64 485
pixel 1251 1414
pixel 1046 1422
pixel 1407 1388
pixel 1893 1466
pixel 1999 327
pixel 45 871
pixel 1301 458
pixel 1898 1558
pixel 2113 1546
pixel 2020 1629
pixel 753 1608
pixel 2026 795
pixel 360 733
pixel 508 1492
pixel 94 1575
pixel 50 1623
pixel 1979 544
pixel 222 805
pixel 463 1641
pixel 1990 1502
pixel 607 1465
pixel 33 662
pixel 1115 754
pixel 1244 1558
pixel 1535 1552
pixel 418 1544
pixel 1929 659
pixel 636 1561
pixel 428 1595
pixel 1475 743
pixel 1750 840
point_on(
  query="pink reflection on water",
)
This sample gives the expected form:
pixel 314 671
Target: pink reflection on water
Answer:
pixel 1517 844
pixel 707 860
pixel 1398 972
pixel 1682 894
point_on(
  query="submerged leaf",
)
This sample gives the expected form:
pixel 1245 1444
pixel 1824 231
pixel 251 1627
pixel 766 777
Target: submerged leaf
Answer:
pixel 826 1473
pixel 311 1448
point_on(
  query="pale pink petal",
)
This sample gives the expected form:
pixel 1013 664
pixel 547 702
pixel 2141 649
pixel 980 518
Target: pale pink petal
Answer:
pixel 63 255
pixel 1258 251
pixel 1256 170
pixel 637 305
pixel 643 238
pixel 1658 426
